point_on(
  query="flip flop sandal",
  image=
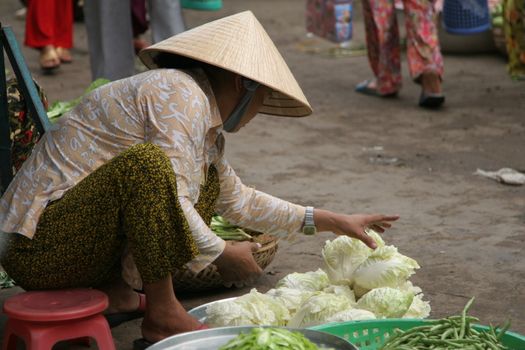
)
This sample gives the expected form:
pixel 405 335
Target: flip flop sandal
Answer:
pixel 141 343
pixel 364 88
pixel 431 101
pixel 64 58
pixel 121 317
pixel 49 61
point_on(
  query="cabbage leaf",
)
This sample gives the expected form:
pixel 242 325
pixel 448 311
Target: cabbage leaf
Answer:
pixel 253 308
pixel 289 297
pixel 318 308
pixel 419 308
pixel 351 315
pixel 386 302
pixel 342 256
pixel 312 281
pixel 385 267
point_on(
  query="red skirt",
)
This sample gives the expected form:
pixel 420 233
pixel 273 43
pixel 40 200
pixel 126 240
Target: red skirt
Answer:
pixel 49 22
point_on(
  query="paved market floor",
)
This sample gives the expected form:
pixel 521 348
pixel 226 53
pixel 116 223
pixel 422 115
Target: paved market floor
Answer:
pixel 362 154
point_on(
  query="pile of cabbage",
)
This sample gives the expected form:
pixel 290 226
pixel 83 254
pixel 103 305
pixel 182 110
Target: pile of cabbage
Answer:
pixel 356 283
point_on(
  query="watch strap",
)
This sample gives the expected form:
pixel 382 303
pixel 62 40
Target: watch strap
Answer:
pixel 309 223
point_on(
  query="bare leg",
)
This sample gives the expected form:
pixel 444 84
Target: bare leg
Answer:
pixel 431 82
pixel 122 298
pixel 165 315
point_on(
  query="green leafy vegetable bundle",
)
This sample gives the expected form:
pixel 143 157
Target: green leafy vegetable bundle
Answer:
pixel 453 332
pixel 270 339
pixel 58 108
pixel 6 281
pixel 229 232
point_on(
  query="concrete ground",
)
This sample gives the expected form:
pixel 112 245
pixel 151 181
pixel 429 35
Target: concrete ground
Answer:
pixel 362 154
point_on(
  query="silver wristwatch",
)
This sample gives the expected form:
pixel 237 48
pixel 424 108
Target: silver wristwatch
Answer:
pixel 309 224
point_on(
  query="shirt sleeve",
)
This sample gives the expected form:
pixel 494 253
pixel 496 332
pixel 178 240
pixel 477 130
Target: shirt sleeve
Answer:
pixel 176 107
pixel 246 207
pixel 210 245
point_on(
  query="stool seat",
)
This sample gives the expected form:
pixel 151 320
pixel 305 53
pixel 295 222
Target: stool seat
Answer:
pixel 56 305
pixel 43 318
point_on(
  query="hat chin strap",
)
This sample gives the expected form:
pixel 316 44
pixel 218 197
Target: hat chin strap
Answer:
pixel 238 112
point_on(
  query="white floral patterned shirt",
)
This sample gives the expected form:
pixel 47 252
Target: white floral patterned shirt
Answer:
pixel 173 109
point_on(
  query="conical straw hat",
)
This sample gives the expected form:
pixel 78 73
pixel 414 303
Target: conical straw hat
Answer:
pixel 239 44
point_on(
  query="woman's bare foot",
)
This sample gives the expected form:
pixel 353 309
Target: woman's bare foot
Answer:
pixel 64 55
pixel 49 59
pixel 165 315
pixel 167 321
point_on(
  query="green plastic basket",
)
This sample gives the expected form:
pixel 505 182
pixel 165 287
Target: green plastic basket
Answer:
pixel 371 334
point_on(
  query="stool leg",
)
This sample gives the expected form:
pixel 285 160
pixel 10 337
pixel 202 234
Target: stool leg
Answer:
pixel 10 338
pixel 34 336
pixel 100 331
pixel 14 331
pixel 40 343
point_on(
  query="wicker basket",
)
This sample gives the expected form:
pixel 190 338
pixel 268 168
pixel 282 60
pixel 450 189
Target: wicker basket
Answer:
pixel 186 281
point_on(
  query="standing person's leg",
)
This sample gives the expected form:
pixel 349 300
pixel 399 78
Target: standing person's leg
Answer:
pixel 40 31
pixel 382 38
pixel 110 38
pixel 514 26
pixel 63 40
pixel 165 19
pixel 425 61
pixel 139 23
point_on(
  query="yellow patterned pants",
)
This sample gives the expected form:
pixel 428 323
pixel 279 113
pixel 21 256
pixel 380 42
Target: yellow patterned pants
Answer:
pixel 80 238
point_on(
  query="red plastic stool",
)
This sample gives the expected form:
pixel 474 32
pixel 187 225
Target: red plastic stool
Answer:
pixel 43 318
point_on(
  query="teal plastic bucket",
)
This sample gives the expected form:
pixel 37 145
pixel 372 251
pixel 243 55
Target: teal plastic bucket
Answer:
pixel 205 5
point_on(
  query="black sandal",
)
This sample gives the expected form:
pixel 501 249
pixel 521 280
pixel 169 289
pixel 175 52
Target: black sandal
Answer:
pixel 141 344
pixel 118 318
pixel 431 101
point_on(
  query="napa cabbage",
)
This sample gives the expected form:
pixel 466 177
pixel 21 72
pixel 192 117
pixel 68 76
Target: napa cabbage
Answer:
pixel 344 254
pixel 385 267
pixel 312 281
pixel 318 308
pixel 253 308
pixel 386 302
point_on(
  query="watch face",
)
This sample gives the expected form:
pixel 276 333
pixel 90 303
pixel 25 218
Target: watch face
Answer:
pixel 309 230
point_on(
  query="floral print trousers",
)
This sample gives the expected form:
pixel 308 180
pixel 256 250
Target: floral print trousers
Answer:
pixel 382 38
pixel 514 26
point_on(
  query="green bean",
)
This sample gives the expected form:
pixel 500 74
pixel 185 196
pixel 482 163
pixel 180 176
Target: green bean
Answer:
pixel 502 331
pixel 447 333
pixel 463 318
pixel 454 332
pixel 458 318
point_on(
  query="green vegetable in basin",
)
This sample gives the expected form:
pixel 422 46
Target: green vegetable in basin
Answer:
pixel 270 339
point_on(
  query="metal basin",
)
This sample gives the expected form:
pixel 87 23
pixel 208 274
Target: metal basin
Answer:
pixel 213 339
pixel 199 312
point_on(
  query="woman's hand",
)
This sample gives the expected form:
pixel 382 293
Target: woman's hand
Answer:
pixel 236 263
pixel 353 225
